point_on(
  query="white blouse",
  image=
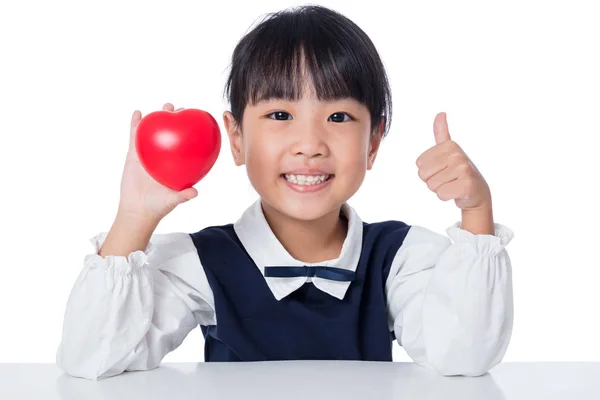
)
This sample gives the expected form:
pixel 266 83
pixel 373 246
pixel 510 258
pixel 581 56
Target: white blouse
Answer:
pixel 450 298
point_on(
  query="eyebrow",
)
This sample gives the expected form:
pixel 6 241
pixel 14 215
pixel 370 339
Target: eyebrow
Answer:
pixel 275 99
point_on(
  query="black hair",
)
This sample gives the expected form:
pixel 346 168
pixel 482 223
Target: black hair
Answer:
pixel 314 42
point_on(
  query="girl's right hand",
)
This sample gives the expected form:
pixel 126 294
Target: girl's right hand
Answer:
pixel 141 195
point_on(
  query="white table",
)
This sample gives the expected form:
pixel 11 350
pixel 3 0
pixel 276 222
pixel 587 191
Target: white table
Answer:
pixel 345 380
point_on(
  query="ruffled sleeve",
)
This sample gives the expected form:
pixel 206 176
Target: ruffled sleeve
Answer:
pixel 450 298
pixel 482 243
pixel 127 313
pixel 120 264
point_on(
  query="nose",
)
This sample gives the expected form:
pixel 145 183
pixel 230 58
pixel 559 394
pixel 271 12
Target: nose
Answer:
pixel 310 143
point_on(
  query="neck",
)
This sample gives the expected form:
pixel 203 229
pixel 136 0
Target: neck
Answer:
pixel 308 241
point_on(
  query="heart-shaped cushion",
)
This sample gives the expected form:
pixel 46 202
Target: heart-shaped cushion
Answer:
pixel 178 148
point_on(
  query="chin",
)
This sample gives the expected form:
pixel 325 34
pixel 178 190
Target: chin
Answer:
pixel 305 210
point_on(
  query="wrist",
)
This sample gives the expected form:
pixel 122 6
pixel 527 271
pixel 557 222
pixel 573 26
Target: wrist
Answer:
pixel 479 221
pixel 137 219
pixel 128 233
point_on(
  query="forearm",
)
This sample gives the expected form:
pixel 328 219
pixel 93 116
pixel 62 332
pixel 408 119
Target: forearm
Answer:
pixel 128 234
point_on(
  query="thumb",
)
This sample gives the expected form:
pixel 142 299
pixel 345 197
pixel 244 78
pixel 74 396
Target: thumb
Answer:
pixel 440 128
pixel 187 194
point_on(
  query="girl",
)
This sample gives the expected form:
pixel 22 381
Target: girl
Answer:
pixel 298 275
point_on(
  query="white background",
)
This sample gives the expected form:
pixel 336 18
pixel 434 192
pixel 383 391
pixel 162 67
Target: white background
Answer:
pixel 518 79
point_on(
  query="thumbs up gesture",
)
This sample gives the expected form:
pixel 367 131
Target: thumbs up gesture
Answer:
pixel 450 173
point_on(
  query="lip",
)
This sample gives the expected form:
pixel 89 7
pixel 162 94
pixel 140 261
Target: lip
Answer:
pixel 307 171
pixel 308 188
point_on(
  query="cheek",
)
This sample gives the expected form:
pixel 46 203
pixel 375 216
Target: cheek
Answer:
pixel 351 163
pixel 353 154
pixel 262 156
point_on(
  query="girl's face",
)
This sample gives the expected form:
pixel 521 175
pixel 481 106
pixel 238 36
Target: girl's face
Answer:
pixel 290 147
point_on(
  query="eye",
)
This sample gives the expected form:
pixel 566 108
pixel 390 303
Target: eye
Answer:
pixel 279 115
pixel 339 117
pixel 283 116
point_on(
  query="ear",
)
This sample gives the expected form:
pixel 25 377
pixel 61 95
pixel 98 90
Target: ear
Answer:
pixel 235 138
pixel 374 142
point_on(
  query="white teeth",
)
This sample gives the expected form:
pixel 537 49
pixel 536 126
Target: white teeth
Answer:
pixel 306 179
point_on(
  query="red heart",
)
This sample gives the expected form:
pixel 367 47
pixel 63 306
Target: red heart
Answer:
pixel 178 148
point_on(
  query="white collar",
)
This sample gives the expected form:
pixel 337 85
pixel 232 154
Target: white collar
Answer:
pixel 265 249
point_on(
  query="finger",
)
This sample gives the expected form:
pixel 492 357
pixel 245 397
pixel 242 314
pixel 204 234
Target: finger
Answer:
pixel 178 197
pixel 432 161
pixel 442 177
pixel 441 151
pixel 440 128
pixel 179 109
pixel 168 107
pixel 430 169
pixel 135 120
pixel 450 190
pixel 188 194
pixel 434 152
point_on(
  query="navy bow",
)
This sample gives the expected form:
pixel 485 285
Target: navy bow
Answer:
pixel 331 273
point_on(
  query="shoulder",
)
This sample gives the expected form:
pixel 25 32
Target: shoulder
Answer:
pixel 171 249
pixel 385 233
pixel 422 236
pixel 215 243
pixel 385 227
pixel 214 232
pixel 421 250
pixel 381 240
pixel 400 230
pixel 399 241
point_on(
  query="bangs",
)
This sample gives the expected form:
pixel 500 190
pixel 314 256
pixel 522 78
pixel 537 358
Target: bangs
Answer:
pixel 308 48
pixel 285 69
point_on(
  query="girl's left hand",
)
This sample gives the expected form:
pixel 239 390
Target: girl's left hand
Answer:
pixel 450 173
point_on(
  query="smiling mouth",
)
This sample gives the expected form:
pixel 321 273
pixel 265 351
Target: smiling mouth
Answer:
pixel 307 180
